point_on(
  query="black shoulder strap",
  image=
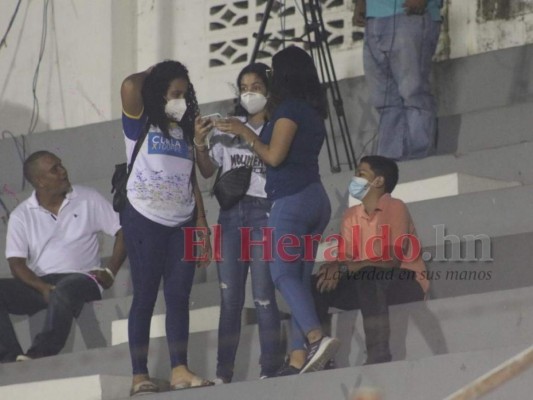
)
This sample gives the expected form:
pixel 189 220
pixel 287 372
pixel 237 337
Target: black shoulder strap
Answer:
pixel 137 147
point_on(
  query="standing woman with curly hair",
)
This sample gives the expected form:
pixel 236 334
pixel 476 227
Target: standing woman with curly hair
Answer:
pixel 159 107
pixel 301 209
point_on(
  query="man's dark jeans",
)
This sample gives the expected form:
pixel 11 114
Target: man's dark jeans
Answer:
pixel 65 303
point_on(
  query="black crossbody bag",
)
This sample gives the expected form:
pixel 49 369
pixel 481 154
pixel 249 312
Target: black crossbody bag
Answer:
pixel 122 173
pixel 231 186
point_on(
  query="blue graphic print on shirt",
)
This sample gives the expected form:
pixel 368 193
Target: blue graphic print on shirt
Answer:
pixel 158 144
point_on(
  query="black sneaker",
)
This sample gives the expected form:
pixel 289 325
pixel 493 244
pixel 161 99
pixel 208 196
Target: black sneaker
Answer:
pixel 319 353
pixel 287 369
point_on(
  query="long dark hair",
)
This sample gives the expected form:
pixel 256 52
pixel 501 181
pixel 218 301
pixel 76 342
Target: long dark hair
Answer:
pixel 295 76
pixel 260 70
pixel 154 91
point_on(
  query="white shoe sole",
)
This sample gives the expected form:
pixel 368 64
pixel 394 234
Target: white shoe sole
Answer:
pixel 328 348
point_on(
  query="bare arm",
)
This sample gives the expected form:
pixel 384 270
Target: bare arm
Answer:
pixel 201 221
pixel 276 151
pixel 115 262
pixel 130 93
pixel 21 271
pixel 119 253
pixel 359 13
pixel 205 164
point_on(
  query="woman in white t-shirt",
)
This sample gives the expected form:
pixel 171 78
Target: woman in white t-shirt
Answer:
pixel 238 253
pixel 163 209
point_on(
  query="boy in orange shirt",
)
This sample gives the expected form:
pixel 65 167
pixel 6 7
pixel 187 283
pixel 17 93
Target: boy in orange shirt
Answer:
pixel 379 260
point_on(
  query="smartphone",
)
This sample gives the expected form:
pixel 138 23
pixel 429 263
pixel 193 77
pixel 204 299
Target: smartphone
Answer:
pixel 213 117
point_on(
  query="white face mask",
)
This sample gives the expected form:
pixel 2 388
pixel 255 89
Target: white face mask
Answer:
pixel 175 109
pixel 253 102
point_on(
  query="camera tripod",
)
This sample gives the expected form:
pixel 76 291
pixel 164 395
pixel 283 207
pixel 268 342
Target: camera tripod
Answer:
pixel 315 38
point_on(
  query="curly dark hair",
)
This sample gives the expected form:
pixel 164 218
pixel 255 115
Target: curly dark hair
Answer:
pixel 260 70
pixel 295 77
pixel 155 88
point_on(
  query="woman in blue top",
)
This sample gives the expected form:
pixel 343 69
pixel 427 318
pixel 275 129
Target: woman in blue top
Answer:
pixel 227 152
pixel 164 205
pixel 290 146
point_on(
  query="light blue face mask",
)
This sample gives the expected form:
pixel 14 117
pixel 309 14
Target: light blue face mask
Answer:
pixel 358 187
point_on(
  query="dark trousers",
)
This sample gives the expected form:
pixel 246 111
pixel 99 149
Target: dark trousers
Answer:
pixel 156 252
pixel 65 303
pixel 371 290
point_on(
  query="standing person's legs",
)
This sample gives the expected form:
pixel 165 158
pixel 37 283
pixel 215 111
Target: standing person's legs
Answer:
pixel 414 44
pixel 263 290
pixel 293 217
pixel 383 87
pixel 66 301
pixel 177 283
pixel 232 274
pixel 146 244
pixel 19 299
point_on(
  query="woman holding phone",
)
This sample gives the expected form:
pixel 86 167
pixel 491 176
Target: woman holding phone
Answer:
pixel 251 213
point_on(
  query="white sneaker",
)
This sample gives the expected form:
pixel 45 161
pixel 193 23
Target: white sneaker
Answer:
pixel 23 357
pixel 319 353
pixel 219 381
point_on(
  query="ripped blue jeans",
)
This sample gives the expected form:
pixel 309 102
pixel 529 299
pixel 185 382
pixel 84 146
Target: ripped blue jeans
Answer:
pixel 250 212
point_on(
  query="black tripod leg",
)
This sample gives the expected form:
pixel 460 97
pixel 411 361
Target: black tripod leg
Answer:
pixel 261 33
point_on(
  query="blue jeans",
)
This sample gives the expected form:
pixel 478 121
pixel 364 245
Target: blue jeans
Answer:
pixel 65 303
pixel 397 60
pixel 304 213
pixel 156 251
pixel 251 212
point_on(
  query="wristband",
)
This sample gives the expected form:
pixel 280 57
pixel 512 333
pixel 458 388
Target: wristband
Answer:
pixel 198 144
pixel 109 272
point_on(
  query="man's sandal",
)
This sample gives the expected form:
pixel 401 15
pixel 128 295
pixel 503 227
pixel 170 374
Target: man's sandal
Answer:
pixel 144 387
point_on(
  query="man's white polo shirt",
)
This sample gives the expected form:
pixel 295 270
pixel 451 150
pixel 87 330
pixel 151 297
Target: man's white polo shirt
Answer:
pixel 64 243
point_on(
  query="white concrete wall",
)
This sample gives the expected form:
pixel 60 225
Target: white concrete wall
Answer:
pixel 92 45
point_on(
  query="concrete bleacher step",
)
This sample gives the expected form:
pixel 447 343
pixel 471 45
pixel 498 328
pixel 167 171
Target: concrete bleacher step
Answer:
pixel 506 163
pixel 485 129
pixel 431 378
pixel 447 185
pixel 92 387
pixel 426 379
pixel 479 322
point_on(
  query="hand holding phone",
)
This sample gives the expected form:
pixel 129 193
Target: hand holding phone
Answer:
pixel 213 117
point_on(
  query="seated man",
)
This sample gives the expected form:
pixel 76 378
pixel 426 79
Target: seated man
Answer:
pixel 52 250
pixel 378 262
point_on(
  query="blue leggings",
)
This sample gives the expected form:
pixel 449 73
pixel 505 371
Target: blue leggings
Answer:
pixel 156 251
